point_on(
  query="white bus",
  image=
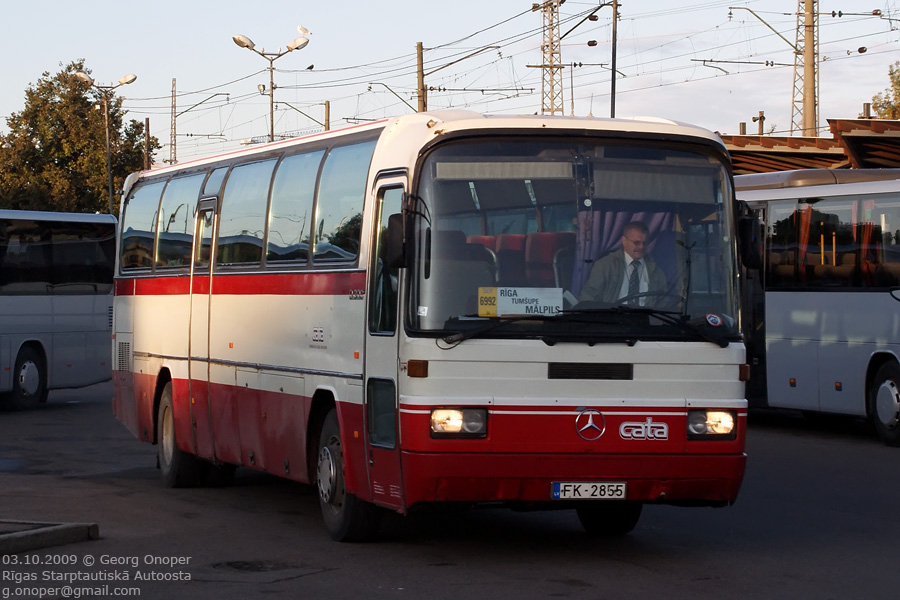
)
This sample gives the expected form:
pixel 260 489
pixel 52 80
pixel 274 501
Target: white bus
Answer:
pixel 390 313
pixel 56 278
pixel 822 314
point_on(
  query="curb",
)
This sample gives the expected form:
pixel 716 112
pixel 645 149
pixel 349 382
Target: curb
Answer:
pixel 24 536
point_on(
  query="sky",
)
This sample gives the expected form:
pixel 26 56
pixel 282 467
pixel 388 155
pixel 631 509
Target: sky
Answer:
pixel 707 62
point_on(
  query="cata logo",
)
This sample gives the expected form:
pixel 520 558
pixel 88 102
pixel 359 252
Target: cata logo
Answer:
pixel 647 430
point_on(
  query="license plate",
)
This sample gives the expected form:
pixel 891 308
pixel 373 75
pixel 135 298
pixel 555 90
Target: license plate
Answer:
pixel 587 490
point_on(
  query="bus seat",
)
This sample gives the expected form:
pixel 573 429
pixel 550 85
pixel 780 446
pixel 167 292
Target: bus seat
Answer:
pixel 461 268
pixel 540 253
pixel 843 272
pixel 781 269
pixel 487 242
pixel 510 251
pixel 888 274
pixel 564 266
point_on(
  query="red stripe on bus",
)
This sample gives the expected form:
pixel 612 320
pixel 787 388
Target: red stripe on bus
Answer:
pixel 278 284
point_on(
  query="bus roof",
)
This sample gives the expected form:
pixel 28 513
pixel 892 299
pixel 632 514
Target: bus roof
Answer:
pixel 438 122
pixel 43 215
pixel 811 177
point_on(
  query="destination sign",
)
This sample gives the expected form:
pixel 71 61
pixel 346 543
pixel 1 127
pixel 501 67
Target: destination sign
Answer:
pixel 509 301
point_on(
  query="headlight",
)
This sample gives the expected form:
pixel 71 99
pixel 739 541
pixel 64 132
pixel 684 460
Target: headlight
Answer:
pixel 711 425
pixel 459 422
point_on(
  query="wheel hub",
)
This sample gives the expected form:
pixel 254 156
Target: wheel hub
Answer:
pixel 167 443
pixel 29 378
pixel 887 404
pixel 326 476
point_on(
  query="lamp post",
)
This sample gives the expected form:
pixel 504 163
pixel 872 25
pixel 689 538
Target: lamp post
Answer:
pixel 105 91
pixel 299 43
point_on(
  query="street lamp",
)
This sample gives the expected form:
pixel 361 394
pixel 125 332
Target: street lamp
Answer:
pixel 299 43
pixel 105 91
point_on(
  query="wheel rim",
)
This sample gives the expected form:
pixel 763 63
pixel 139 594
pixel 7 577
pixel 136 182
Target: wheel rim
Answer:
pixel 887 404
pixel 29 378
pixel 330 475
pixel 167 442
pixel 326 475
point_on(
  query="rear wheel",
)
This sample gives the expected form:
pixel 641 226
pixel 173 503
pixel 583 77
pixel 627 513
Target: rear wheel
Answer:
pixel 179 469
pixel 884 403
pixel 609 518
pixel 29 380
pixel 347 518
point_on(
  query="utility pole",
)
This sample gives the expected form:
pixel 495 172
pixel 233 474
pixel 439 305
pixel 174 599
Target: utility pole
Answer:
pixel 761 119
pixel 804 103
pixel 147 160
pixel 551 80
pixel 172 153
pixel 804 108
pixel 420 78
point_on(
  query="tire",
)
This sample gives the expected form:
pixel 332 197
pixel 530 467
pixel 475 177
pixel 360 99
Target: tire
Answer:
pixel 178 468
pixel 884 403
pixel 29 380
pixel 347 518
pixel 609 518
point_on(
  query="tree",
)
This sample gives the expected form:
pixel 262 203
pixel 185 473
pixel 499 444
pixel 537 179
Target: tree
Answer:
pixel 887 104
pixel 54 156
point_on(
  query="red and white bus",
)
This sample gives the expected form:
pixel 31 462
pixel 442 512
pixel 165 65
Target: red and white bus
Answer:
pixel 391 313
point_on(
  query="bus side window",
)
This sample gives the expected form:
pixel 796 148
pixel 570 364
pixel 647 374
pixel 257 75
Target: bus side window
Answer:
pixel 383 284
pixel 242 220
pixel 339 202
pixel 139 226
pixel 292 204
pixel 176 221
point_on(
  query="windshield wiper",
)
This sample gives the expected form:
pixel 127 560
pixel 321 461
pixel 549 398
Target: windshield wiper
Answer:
pixel 462 336
pixel 669 317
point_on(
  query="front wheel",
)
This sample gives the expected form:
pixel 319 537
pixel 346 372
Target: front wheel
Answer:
pixel 178 468
pixel 29 380
pixel 347 518
pixel 884 403
pixel 609 518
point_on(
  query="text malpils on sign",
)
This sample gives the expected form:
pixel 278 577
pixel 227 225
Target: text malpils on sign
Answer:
pixel 508 301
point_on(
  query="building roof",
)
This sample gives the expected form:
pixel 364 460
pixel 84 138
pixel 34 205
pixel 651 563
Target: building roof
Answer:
pixel 855 143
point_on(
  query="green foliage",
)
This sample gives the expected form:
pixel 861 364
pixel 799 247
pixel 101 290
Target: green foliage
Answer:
pixel 54 156
pixel 887 104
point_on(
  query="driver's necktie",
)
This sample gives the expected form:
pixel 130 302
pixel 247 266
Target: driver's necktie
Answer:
pixel 634 282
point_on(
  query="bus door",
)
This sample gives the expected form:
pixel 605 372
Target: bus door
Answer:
pixel 381 360
pixel 198 350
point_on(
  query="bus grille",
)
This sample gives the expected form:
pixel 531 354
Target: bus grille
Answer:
pixel 109 321
pixel 124 357
pixel 622 371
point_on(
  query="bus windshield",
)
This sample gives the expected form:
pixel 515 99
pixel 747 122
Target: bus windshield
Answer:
pixel 545 235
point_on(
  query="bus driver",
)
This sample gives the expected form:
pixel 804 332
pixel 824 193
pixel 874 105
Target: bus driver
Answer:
pixel 625 273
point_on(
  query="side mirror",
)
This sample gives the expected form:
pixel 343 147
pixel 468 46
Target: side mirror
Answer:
pixel 750 241
pixel 395 243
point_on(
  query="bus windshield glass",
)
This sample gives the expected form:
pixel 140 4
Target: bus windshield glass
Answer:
pixel 568 241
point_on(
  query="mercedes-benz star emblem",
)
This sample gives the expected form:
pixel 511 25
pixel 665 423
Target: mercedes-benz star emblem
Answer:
pixel 590 424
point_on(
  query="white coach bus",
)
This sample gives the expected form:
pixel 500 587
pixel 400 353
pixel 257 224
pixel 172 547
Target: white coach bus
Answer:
pixel 56 277
pixel 391 313
pixel 823 313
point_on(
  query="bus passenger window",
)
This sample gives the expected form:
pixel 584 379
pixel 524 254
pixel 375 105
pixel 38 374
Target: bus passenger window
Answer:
pixel 176 221
pixel 242 222
pixel 292 205
pixel 139 226
pixel 342 190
